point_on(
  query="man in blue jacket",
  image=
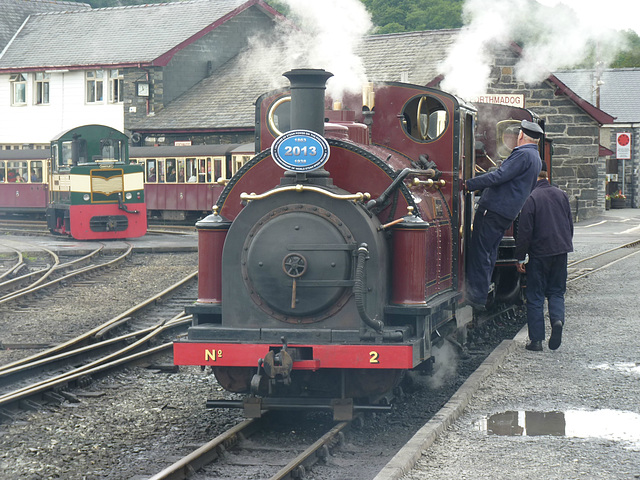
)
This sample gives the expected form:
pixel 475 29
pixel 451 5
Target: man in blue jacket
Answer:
pixel 545 233
pixel 504 192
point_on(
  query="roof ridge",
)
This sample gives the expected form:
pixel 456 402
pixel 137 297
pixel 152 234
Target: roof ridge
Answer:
pixel 120 7
pixel 376 36
pixel 57 2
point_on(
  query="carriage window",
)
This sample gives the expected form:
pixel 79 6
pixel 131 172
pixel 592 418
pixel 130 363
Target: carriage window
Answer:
pixel 151 170
pixel 192 170
pixel 3 173
pixel 36 172
pixel 171 170
pixel 218 169
pixel 202 170
pixel 424 118
pixel 17 172
pixel 181 169
pixel 239 161
pixel 161 171
pixel 279 116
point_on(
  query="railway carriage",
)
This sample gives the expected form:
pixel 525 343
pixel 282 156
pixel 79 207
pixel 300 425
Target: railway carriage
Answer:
pixel 95 193
pixel 24 184
pixel 184 182
pixel 334 260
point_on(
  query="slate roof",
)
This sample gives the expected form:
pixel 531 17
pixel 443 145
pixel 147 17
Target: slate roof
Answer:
pixel 619 94
pixel 409 57
pixel 231 91
pixel 112 36
pixel 224 100
pixel 14 13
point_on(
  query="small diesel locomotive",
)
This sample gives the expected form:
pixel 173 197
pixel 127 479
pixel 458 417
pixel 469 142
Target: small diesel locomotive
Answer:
pixel 94 193
pixel 334 259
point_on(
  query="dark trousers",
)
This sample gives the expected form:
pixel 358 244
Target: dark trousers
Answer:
pixel 488 230
pixel 546 278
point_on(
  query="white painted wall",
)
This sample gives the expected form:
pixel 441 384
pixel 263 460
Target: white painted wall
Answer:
pixel 66 109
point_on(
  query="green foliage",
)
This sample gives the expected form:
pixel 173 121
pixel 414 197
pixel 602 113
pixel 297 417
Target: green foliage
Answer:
pixel 414 15
pixel 630 56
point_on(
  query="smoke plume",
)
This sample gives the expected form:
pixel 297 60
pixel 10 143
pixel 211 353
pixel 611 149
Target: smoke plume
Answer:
pixel 320 34
pixel 553 36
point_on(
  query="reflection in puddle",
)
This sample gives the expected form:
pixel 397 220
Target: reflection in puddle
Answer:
pixel 607 424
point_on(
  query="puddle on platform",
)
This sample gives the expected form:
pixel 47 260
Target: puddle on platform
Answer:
pixel 606 424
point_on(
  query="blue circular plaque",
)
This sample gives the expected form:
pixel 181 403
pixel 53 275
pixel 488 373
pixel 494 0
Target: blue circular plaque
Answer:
pixel 300 150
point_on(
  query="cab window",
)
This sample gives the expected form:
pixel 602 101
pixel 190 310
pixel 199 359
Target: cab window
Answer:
pixel 424 118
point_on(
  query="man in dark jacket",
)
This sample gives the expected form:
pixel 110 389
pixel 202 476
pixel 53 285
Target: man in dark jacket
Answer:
pixel 504 192
pixel 545 233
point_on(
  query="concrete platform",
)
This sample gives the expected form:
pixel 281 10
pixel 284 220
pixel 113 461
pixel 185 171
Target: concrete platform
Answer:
pixel 573 413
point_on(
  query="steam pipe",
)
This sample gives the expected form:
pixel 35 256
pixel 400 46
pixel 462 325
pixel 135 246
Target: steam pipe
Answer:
pixel 359 290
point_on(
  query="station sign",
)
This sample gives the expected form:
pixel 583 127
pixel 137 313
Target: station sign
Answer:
pixel 623 146
pixel 300 151
pixel 510 100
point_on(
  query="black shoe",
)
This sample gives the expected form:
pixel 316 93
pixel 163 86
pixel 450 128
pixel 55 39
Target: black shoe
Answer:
pixel 534 346
pixel 480 306
pixel 556 335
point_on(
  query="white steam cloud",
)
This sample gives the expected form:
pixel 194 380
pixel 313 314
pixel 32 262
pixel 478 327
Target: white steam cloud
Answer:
pixel 323 34
pixel 554 37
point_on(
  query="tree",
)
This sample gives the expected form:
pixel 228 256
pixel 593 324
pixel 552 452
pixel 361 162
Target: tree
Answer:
pixel 392 16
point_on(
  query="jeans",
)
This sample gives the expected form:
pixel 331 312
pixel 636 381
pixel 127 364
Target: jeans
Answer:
pixel 488 230
pixel 546 278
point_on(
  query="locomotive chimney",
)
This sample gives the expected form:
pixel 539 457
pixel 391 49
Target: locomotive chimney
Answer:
pixel 307 98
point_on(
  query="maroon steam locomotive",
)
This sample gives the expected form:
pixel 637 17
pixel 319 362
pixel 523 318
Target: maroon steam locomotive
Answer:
pixel 320 287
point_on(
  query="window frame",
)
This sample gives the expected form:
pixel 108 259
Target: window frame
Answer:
pixel 41 88
pixel 116 86
pixel 94 83
pixel 16 80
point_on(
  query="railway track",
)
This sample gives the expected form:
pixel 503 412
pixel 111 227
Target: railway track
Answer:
pixel 136 333
pixel 586 266
pixel 239 447
pixel 39 228
pixel 46 274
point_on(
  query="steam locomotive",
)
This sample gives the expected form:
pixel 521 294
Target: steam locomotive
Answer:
pixel 334 259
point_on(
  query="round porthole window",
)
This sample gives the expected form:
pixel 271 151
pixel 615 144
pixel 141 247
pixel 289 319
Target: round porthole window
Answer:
pixel 424 118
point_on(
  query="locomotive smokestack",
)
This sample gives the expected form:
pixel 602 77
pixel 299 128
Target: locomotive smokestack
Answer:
pixel 307 98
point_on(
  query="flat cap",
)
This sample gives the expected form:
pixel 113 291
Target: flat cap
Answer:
pixel 531 129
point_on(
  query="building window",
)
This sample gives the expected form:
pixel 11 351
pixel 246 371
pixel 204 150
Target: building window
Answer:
pixel 18 89
pixel 42 88
pixel 95 91
pixel 116 86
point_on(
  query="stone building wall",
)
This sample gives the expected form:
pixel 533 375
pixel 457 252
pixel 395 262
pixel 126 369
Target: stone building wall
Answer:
pixel 575 136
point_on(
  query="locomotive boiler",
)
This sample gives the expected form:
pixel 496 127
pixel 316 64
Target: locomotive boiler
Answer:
pixel 334 259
